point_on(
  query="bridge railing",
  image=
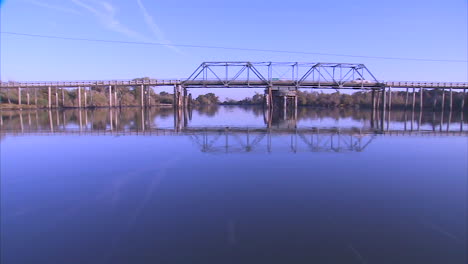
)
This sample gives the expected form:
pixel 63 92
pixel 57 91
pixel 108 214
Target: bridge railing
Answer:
pixel 87 83
pixel 426 84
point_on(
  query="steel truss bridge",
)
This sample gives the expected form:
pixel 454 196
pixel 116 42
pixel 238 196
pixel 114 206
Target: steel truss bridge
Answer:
pixel 321 75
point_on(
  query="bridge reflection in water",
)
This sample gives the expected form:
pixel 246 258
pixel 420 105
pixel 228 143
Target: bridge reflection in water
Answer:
pixel 291 126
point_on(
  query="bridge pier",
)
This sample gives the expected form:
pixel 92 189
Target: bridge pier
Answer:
pixel 421 98
pixel 110 95
pixel 382 120
pixel 142 94
pixel 389 99
pixel 50 98
pixel 451 100
pixel 85 98
pixel 79 96
pixel 373 99
pixel 277 99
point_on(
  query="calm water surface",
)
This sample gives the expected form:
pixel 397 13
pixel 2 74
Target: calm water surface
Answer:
pixel 233 185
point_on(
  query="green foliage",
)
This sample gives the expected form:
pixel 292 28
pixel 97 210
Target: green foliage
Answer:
pixel 207 99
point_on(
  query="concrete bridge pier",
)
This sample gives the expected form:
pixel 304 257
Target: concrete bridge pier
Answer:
pixel 280 99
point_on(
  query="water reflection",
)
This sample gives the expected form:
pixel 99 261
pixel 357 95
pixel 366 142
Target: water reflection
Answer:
pixel 212 130
pixel 163 195
pixel 127 120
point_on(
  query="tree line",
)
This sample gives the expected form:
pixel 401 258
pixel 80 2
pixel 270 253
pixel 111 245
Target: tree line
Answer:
pixel 131 96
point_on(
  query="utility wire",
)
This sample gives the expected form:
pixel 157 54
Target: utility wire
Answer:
pixel 224 48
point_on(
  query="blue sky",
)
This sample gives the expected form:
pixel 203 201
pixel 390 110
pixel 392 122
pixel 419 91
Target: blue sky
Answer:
pixel 397 28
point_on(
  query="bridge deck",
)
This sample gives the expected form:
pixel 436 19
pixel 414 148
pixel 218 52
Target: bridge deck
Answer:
pixel 239 84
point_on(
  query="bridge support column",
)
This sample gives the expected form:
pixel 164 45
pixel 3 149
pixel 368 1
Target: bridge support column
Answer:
pixel 270 98
pixel 382 120
pixel 79 96
pixel 35 96
pixel 142 95
pixel 389 100
pixel 373 98
pixel 285 104
pixel 451 100
pixel 295 108
pixel 414 98
pixel 110 96
pixel 50 98
pixel 27 97
pixel 19 96
pixel 421 99
pixel 378 99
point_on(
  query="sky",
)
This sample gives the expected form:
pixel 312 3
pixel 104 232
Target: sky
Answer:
pixel 398 28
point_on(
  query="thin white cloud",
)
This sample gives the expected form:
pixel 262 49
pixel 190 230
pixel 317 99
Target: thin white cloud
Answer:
pixel 53 7
pixel 106 14
pixel 158 33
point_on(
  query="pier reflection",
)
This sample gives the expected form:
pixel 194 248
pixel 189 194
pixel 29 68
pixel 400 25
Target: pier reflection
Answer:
pixel 214 129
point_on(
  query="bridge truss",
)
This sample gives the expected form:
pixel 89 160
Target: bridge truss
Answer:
pixel 291 74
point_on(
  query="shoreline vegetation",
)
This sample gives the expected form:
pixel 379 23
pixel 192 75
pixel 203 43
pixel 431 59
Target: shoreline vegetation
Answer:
pixel 130 97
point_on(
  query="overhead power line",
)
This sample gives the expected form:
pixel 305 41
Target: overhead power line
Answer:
pixel 225 48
